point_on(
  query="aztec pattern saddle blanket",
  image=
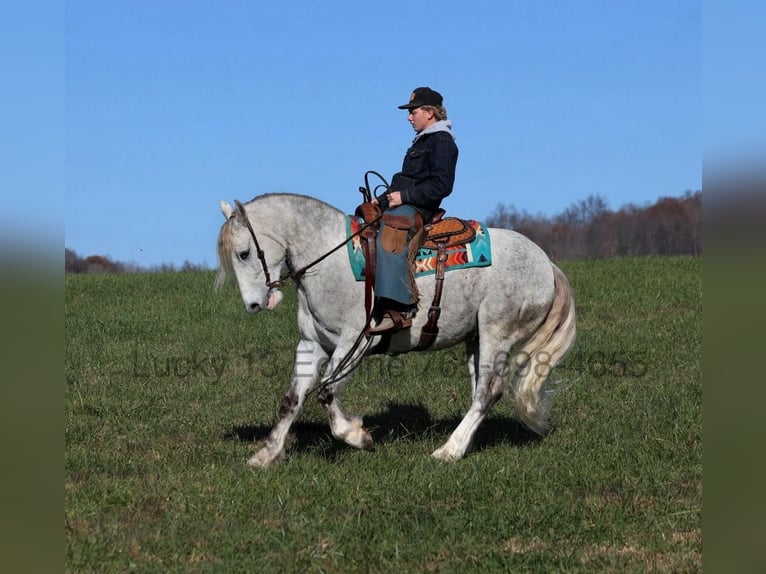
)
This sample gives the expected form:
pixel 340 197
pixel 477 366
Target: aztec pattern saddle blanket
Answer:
pixel 476 253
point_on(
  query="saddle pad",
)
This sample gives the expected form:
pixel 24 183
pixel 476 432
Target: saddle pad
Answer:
pixel 477 253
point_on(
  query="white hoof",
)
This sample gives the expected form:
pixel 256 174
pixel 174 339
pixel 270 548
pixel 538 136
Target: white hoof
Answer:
pixel 264 458
pixel 354 434
pixel 362 440
pixel 359 437
pixel 446 454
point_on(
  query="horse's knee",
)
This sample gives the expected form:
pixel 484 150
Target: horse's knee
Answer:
pixel 325 396
pixel 289 404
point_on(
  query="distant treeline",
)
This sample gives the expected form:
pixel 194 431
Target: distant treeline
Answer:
pixel 589 229
pixel 586 229
pixel 73 263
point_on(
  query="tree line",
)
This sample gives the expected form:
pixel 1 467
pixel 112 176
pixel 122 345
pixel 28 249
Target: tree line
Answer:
pixel 589 229
pixel 74 263
pixel 585 229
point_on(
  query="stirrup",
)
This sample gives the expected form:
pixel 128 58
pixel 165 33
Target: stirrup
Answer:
pixel 392 321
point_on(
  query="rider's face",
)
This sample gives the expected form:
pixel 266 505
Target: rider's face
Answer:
pixel 420 119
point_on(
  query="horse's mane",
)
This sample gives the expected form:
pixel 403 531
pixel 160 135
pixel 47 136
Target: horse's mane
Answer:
pixel 292 196
pixel 225 246
pixel 224 253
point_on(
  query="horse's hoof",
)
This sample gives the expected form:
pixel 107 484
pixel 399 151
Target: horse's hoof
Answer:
pixel 446 454
pixel 367 442
pixel 263 458
pixel 356 435
pixel 360 439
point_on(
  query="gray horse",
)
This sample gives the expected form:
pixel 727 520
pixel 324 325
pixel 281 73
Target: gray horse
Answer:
pixel 516 317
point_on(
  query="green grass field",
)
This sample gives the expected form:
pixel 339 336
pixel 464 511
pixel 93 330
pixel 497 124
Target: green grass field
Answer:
pixel 169 386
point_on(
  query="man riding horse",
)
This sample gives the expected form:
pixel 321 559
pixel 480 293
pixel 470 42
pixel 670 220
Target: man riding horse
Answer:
pixel 427 177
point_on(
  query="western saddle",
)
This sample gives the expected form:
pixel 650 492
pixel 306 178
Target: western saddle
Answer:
pixel 441 233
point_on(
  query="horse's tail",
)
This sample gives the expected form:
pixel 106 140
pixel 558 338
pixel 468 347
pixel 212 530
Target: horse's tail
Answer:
pixel 540 353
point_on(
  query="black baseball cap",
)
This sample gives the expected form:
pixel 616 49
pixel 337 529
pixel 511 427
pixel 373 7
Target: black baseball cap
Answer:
pixel 422 97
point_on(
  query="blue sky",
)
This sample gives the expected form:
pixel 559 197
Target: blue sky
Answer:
pixel 170 106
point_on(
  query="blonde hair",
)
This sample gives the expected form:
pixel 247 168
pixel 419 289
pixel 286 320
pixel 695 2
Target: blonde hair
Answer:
pixel 439 112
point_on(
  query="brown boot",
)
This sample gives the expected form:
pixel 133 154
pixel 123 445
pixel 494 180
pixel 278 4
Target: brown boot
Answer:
pixel 392 321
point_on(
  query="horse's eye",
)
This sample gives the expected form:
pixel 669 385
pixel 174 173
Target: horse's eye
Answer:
pixel 243 255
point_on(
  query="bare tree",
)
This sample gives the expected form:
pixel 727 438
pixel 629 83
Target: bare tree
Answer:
pixel 588 228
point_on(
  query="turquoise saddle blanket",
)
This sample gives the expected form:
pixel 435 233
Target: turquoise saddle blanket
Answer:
pixel 477 253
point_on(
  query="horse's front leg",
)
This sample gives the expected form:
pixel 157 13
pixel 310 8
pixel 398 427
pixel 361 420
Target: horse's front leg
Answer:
pixel 348 429
pixel 309 357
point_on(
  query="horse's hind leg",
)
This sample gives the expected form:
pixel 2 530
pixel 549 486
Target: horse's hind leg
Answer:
pixel 472 358
pixel 488 391
pixel 309 359
pixel 488 387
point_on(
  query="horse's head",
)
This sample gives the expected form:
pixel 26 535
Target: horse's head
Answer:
pixel 238 254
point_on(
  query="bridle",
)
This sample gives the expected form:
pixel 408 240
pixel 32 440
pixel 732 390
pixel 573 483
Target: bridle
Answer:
pixel 259 252
pixel 295 275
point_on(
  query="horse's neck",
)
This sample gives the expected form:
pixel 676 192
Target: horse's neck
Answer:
pixel 309 227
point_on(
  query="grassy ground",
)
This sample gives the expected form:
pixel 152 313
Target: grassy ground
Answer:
pixel 168 385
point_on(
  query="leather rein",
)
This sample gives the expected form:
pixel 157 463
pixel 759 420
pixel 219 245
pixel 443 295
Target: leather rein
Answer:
pixel 295 275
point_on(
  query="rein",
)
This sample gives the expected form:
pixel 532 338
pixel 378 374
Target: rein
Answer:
pixel 298 273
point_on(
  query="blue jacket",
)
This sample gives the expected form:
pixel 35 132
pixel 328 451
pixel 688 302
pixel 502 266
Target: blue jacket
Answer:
pixel 428 170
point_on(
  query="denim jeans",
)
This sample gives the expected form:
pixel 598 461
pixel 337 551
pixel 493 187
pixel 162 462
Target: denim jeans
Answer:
pixel 392 276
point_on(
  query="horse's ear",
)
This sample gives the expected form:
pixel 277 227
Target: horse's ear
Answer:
pixel 226 209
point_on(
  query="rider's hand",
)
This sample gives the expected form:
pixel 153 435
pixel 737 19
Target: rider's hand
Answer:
pixel 394 198
pixel 389 200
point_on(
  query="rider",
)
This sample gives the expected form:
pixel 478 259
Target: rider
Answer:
pixel 427 176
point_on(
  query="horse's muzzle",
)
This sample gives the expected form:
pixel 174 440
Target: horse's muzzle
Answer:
pixel 273 299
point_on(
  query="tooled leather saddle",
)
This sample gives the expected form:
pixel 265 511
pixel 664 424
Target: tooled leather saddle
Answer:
pixel 447 231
